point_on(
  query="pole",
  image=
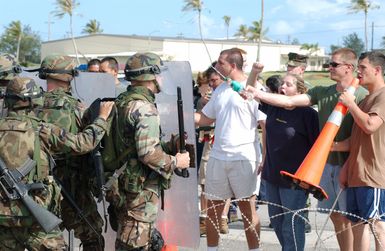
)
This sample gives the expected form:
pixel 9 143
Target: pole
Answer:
pixel 372 36
pixel 261 30
pixel 149 38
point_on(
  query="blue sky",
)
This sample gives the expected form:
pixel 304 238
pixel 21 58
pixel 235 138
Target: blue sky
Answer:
pixel 310 21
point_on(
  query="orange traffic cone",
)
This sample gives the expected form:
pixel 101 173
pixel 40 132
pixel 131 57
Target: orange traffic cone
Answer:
pixel 310 172
pixel 170 248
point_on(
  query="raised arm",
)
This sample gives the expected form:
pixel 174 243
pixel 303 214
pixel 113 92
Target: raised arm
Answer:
pixel 279 99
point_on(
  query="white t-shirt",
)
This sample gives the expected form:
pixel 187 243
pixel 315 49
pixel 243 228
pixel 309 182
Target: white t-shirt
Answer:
pixel 236 134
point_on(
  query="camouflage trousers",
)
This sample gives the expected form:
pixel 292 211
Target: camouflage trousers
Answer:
pixel 71 219
pixel 136 218
pixel 33 238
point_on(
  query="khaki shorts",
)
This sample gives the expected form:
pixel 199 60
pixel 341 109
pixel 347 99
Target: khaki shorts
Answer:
pixel 202 167
pixel 230 179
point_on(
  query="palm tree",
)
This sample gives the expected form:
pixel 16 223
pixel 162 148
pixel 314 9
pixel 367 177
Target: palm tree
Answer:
pixel 364 6
pixel 311 48
pixel 243 32
pixel 15 30
pixel 227 20
pixel 256 31
pixel 196 5
pixel 260 30
pixel 92 27
pixel 66 7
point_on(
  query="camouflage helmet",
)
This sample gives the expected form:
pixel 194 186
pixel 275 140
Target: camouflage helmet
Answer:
pixel 8 67
pixel 143 66
pixel 297 59
pixel 59 67
pixel 20 90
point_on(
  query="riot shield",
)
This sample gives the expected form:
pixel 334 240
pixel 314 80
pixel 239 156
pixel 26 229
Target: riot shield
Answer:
pixel 35 76
pixel 89 86
pixel 179 222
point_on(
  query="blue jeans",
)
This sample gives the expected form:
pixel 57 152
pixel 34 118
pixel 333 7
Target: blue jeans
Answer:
pixel 283 227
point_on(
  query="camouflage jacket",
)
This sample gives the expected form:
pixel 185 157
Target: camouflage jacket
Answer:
pixel 21 136
pixel 137 140
pixel 62 109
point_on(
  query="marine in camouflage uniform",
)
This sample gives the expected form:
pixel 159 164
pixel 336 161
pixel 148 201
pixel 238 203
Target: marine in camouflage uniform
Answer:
pixel 23 136
pixel 147 167
pixel 8 70
pixel 62 109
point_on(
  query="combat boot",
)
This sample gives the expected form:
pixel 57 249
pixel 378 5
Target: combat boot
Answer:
pixel 93 245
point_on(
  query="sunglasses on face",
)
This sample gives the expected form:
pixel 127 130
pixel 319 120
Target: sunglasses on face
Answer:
pixel 335 65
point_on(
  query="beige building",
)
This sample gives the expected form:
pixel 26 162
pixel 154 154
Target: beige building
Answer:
pixel 273 55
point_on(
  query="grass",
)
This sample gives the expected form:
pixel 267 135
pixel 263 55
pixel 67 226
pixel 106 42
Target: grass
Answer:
pixel 315 78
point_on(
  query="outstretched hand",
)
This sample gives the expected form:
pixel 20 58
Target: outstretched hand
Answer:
pixel 248 92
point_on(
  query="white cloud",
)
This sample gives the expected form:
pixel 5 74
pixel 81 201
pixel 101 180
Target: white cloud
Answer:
pixel 276 9
pixel 343 1
pixel 282 27
pixel 318 9
pixel 207 25
pixel 237 22
pixel 347 25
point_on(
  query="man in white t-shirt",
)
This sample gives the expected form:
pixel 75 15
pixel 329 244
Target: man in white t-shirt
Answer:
pixel 231 169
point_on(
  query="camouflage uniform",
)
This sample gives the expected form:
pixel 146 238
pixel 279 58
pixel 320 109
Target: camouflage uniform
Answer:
pixel 8 70
pixel 23 135
pixel 138 146
pixel 63 110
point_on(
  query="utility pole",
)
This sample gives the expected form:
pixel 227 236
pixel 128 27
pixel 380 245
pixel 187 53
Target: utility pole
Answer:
pixel 372 35
pixel 49 26
pixel 261 31
pixel 149 38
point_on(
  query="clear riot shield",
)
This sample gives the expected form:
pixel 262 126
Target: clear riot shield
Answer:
pixel 35 76
pixel 89 86
pixel 179 222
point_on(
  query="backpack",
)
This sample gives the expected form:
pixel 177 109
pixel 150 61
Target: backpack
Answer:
pixel 63 110
pixel 19 138
pixel 136 175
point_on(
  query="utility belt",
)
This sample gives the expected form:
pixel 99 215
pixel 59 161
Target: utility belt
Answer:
pixel 117 185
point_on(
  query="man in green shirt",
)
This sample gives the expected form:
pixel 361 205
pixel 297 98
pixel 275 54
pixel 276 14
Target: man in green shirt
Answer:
pixel 341 68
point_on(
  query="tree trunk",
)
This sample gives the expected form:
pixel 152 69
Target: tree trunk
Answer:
pixel 260 31
pixel 18 47
pixel 73 42
pixel 200 33
pixel 366 31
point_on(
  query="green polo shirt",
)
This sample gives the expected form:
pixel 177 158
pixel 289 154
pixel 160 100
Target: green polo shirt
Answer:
pixel 326 98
